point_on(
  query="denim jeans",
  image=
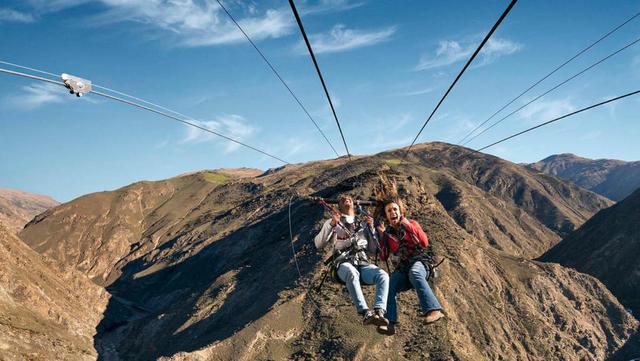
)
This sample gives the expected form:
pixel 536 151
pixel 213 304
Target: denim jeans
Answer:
pixel 416 277
pixel 368 274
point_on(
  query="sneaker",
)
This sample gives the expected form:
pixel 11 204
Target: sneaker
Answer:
pixel 433 316
pixel 368 317
pixel 379 319
pixel 388 330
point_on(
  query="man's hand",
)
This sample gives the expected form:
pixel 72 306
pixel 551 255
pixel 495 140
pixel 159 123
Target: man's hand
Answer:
pixel 335 218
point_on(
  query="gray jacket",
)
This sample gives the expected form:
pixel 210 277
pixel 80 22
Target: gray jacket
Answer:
pixel 338 237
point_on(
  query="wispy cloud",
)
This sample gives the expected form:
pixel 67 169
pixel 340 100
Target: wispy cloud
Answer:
pixel 382 143
pixel 415 92
pixel 10 15
pixel 387 132
pixel 452 51
pixel 340 38
pixel 460 124
pixel 44 6
pixel 635 65
pixel 233 126
pixel 189 23
pixel 36 95
pixel 546 110
pixel 325 6
pixel 295 146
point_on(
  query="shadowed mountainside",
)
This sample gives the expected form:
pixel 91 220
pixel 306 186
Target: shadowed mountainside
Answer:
pixel 17 208
pixel 614 179
pixel 607 247
pixel 200 266
pixel 46 312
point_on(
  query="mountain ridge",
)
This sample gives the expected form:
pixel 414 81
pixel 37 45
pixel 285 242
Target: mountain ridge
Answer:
pixel 614 179
pixel 207 263
pixel 17 208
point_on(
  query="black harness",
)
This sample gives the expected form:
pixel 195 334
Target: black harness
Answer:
pixel 354 253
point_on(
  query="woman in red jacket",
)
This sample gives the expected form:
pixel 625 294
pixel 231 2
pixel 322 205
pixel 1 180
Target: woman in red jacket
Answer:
pixel 406 245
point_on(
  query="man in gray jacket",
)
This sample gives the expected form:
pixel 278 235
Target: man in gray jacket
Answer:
pixel 353 240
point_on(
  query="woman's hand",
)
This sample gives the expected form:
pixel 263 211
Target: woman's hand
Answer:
pixel 369 220
pixel 381 228
pixel 404 221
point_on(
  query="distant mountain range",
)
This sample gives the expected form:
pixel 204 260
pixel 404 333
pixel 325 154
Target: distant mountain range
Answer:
pixel 614 179
pixel 200 266
pixel 17 208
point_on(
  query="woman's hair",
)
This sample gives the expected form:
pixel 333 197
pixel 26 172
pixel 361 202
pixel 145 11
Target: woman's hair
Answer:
pixel 386 192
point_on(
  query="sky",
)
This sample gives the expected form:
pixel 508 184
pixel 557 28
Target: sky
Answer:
pixel 386 65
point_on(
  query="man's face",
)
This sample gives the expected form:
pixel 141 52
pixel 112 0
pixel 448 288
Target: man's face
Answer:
pixel 392 211
pixel 345 203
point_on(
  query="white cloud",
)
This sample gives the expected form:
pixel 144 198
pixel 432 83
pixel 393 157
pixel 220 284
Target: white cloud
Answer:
pixel 542 111
pixel 190 23
pixel 340 38
pixel 496 48
pixel 233 126
pixel 36 95
pixel 325 6
pixel 452 51
pixel 10 15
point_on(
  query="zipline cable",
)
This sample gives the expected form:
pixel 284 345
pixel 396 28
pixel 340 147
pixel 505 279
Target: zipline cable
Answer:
pixel 31 76
pixel 295 258
pixel 554 88
pixel 475 53
pixel 189 121
pixel 559 118
pixel 549 74
pixel 275 72
pixel 315 63
pixel 99 87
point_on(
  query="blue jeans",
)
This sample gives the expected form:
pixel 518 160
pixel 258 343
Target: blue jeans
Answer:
pixel 416 278
pixel 368 274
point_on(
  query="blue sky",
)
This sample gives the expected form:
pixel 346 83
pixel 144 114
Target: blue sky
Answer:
pixel 386 64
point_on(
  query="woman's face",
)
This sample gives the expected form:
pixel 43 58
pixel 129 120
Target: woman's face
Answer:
pixel 392 211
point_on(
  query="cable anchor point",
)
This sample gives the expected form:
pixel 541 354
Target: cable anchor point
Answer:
pixel 76 85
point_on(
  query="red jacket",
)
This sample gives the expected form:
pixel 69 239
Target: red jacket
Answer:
pixel 414 237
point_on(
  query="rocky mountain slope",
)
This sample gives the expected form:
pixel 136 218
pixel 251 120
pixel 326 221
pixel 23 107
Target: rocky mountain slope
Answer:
pixel 46 313
pixel 200 266
pixel 607 247
pixel 17 208
pixel 614 179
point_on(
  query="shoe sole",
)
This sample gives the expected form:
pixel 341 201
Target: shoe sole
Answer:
pixel 380 321
pixel 385 332
pixel 369 321
pixel 435 320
